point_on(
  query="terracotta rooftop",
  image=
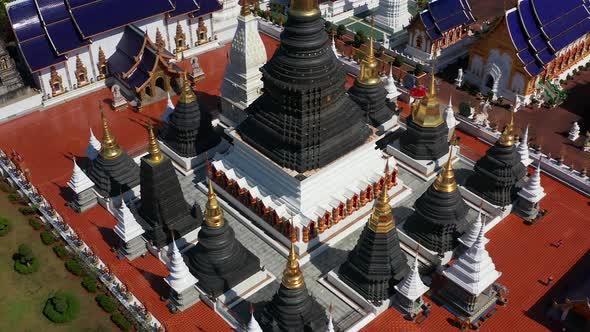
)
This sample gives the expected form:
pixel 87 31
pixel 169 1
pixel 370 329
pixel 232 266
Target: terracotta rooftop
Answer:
pixel 48 139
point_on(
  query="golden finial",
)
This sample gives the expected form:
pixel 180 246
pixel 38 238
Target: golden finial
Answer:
pixel 445 182
pixel 368 74
pixel 427 114
pixel 381 220
pixel 507 137
pixel 213 211
pixel 432 90
pixel 245 11
pixel 292 276
pixel 187 95
pixel 109 147
pixel 304 8
pixel 153 146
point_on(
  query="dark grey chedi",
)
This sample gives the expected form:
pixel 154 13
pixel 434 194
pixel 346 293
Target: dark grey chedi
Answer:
pixel 304 118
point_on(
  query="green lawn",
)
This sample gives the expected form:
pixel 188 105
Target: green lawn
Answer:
pixel 23 296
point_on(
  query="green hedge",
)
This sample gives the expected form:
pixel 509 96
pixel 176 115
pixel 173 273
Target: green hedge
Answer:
pixel 106 303
pixel 121 321
pixel 26 210
pixel 74 267
pixel 47 238
pixel 24 261
pixel 89 283
pixel 62 308
pixel 14 197
pixel 60 251
pixel 35 223
pixel 5 226
pixel 5 187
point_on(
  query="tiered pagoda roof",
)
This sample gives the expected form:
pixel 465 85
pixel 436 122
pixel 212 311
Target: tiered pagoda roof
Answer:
pixel 444 15
pixel 539 29
pixel 47 30
pixel 79 180
pixel 180 277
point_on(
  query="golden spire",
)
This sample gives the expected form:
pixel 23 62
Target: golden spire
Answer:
pixel 213 211
pixel 245 11
pixel 109 148
pixel 427 114
pixel 507 137
pixel 368 72
pixel 153 146
pixel 187 95
pixel 292 276
pixel 445 182
pixel 381 220
pixel 304 8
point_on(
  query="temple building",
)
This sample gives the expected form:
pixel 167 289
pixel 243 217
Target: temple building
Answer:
pixel 426 136
pixel 393 15
pixel 368 91
pixel 113 171
pixel 439 214
pixel 163 206
pixel 498 172
pixel 218 260
pixel 377 262
pixel 292 309
pixel 535 43
pixel 242 81
pixel 54 36
pixel 11 83
pixel 439 32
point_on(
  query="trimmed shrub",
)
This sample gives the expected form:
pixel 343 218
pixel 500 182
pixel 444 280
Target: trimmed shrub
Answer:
pixel 5 187
pixel 24 261
pixel 15 198
pixel 398 61
pixel 464 109
pixel 47 238
pixel 120 320
pixel 74 267
pixel 359 38
pixel 26 210
pixel 89 283
pixel 106 303
pixel 62 308
pixel 35 223
pixel 5 226
pixel 340 30
pixel 419 70
pixel 60 251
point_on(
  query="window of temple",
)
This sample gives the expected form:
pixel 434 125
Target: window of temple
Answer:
pixel 55 82
pixel 419 42
pixel 202 32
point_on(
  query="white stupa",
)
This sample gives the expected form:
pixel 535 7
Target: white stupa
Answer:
pixel 392 92
pixel 533 191
pixel 79 180
pixel 127 227
pixel 412 286
pixel 334 49
pixel 330 327
pixel 180 277
pixel 523 148
pixel 474 271
pixel 449 116
pixel 393 15
pixel 168 111
pixel 470 236
pixel 93 148
pixel 574 132
pixel 253 325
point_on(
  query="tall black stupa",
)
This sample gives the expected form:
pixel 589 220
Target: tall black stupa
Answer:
pixel 368 90
pixel 218 260
pixel 304 118
pixel 497 173
pixel 292 309
pixel 163 206
pixel 426 136
pixel 189 131
pixel 113 171
pixel 439 215
pixel 377 263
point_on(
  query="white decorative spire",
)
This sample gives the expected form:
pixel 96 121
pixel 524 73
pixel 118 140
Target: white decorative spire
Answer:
pixel 127 227
pixel 169 110
pixel 330 327
pixel 533 191
pixel 334 49
pixel 574 132
pixel 253 325
pixel 523 148
pixel 474 271
pixel 79 180
pixel 469 238
pixel 93 147
pixel 449 115
pixel 412 286
pixel 392 92
pixel 180 277
pixel 393 15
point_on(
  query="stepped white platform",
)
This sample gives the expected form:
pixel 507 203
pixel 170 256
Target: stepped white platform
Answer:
pixel 187 166
pixel 424 169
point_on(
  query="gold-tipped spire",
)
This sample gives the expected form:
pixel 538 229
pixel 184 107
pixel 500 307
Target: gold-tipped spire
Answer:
pixel 381 220
pixel 153 146
pixel 507 137
pixel 109 147
pixel 445 182
pixel 304 8
pixel 292 276
pixel 187 94
pixel 245 11
pixel 368 72
pixel 213 211
pixel 427 114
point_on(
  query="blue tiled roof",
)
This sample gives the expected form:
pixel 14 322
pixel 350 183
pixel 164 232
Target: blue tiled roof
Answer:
pixel 39 54
pixel 25 20
pixel 544 27
pixel 207 7
pixel 184 6
pixel 444 15
pixel 65 36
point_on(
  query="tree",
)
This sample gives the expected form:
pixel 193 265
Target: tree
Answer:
pixel 359 38
pixel 340 31
pixel 25 254
pixel 419 69
pixel 398 61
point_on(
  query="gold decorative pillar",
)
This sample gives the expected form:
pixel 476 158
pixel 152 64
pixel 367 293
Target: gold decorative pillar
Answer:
pixel 81 72
pixel 102 64
pixel 179 39
pixel 202 32
pixel 55 82
pixel 159 39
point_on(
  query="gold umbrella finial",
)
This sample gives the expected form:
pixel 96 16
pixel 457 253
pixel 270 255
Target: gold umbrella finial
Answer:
pixel 187 95
pixel 245 11
pixel 109 147
pixel 507 137
pixel 381 219
pixel 292 276
pixel 445 182
pixel 153 146
pixel 213 212
pixel 304 8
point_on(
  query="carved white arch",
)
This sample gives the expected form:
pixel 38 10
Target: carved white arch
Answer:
pixel 494 71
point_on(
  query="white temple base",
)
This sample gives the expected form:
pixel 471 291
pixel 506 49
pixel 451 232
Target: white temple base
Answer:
pixel 527 162
pixel 187 166
pixel 390 125
pixel 119 103
pixel 494 213
pixel 424 169
pixel 134 248
pixel 246 288
pixel 184 299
